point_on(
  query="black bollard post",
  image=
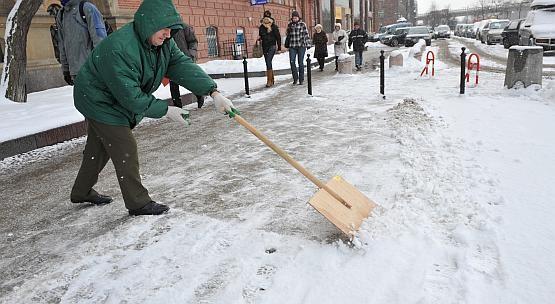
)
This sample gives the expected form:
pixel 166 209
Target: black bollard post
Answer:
pixel 463 69
pixel 309 74
pixel 246 75
pixel 382 74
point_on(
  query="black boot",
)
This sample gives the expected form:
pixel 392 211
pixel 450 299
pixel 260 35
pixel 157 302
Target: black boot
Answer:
pixel 336 64
pixel 200 101
pixel 152 208
pixel 93 198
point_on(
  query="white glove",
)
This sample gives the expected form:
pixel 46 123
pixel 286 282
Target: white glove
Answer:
pixel 222 104
pixel 179 115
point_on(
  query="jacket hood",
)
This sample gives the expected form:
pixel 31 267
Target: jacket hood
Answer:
pixel 337 24
pixel 267 20
pixel 154 15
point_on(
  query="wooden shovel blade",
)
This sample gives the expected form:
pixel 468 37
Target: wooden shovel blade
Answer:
pixel 346 219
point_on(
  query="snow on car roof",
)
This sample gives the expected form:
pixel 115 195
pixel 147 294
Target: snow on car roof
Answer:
pixel 536 3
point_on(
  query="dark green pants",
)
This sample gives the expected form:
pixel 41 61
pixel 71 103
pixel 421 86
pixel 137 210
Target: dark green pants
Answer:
pixel 118 143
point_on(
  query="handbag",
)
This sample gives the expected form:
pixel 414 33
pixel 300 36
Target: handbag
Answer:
pixel 257 51
pixel 287 42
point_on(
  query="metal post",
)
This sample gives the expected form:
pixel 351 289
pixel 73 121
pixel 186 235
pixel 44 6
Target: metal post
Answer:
pixel 463 69
pixel 309 74
pixel 382 74
pixel 246 75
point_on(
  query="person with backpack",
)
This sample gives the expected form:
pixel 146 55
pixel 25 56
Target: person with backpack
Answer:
pixel 80 29
pixel 340 43
pixel 271 43
pixel 113 90
pixel 297 43
pixel 187 42
pixel 358 38
pixel 320 40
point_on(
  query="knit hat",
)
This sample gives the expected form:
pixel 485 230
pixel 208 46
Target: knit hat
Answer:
pixel 318 26
pixel 356 23
pixel 267 14
pixel 295 14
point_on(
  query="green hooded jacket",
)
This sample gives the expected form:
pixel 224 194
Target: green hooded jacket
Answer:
pixel 116 83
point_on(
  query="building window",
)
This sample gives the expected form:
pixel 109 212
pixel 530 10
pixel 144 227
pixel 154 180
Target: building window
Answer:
pixel 381 14
pixel 212 40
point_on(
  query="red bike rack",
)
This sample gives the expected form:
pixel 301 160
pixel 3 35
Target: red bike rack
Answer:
pixel 473 66
pixel 429 60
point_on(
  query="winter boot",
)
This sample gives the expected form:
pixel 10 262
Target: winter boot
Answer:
pixel 200 101
pixel 272 77
pixel 93 198
pixel 269 76
pixel 152 208
pixel 336 63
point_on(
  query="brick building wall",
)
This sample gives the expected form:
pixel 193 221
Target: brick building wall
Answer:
pixel 229 15
pixel 386 12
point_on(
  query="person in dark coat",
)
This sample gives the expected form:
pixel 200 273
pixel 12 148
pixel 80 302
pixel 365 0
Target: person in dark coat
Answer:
pixel 271 43
pixel 358 38
pixel 320 40
pixel 187 42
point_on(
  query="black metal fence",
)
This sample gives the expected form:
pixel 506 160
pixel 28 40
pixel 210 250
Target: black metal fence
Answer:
pixel 231 49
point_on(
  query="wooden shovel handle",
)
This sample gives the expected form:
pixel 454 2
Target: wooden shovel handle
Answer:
pixel 289 159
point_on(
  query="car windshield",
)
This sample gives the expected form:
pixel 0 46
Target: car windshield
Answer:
pixel 544 17
pixel 418 30
pixel 498 25
pixel 382 30
pixel 442 28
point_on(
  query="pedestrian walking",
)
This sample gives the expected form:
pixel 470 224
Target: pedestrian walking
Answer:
pixel 78 34
pixel 187 42
pixel 340 42
pixel 113 90
pixel 271 43
pixel 358 38
pixel 297 43
pixel 320 40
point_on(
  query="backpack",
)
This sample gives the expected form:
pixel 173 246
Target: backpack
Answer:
pixel 108 27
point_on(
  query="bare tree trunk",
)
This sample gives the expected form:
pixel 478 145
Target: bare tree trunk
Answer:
pixel 15 61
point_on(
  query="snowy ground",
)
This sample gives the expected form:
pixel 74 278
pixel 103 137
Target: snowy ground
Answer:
pixel 465 185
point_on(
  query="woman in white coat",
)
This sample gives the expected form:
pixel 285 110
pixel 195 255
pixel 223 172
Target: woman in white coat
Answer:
pixel 340 40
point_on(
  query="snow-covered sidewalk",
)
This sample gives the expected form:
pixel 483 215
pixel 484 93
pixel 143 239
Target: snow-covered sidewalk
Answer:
pixel 465 185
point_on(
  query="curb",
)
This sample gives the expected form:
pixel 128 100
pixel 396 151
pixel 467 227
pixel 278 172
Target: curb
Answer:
pixel 63 133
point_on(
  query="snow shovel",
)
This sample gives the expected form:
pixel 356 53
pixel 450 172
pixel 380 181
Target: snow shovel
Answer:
pixel 338 201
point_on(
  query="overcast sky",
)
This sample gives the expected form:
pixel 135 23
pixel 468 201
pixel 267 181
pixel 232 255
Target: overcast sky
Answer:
pixel 424 5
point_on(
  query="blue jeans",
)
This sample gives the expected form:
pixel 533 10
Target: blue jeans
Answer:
pixel 358 58
pixel 269 56
pixel 298 74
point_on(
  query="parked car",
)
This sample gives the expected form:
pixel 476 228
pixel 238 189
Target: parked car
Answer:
pixel 397 38
pixel 475 28
pixel 416 33
pixel 539 26
pixel 380 34
pixel 510 34
pixel 493 35
pixel 485 29
pixel 459 30
pixel 390 29
pixel 479 29
pixel 467 30
pixel 442 31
